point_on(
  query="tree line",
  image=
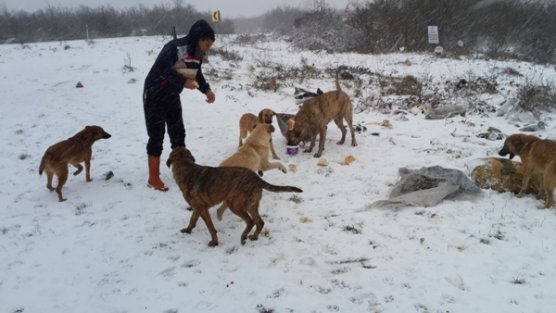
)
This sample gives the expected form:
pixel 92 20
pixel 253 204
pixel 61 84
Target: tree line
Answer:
pixel 59 24
pixel 525 29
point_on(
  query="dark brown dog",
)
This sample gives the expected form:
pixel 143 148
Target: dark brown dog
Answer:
pixel 203 187
pixel 316 113
pixel 538 157
pixel 72 151
pixel 248 121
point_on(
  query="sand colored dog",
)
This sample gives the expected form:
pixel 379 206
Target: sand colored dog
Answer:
pixel 314 116
pixel 504 175
pixel 74 151
pixel 248 121
pixel 253 155
pixel 238 188
pixel 538 157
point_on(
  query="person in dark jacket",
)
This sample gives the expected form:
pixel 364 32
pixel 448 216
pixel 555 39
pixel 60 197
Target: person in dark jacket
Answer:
pixel 161 93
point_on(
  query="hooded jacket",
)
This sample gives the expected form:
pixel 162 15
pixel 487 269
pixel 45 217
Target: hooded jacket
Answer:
pixel 162 76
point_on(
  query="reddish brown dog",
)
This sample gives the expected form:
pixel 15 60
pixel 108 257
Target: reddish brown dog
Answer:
pixel 248 121
pixel 314 116
pixel 74 151
pixel 203 187
pixel 538 157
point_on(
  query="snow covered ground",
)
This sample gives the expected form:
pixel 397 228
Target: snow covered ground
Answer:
pixel 115 246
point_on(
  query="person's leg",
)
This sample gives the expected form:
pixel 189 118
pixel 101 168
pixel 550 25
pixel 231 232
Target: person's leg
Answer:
pixel 155 115
pixel 174 120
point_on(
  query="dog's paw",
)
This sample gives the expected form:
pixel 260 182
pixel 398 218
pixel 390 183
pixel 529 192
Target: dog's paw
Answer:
pixel 89 180
pixel 317 155
pixel 253 237
pixel 213 243
pixel 185 230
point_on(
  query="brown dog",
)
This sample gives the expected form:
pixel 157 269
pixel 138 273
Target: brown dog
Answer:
pixel 253 155
pixel 248 121
pixel 538 157
pixel 203 187
pixel 72 151
pixel 316 113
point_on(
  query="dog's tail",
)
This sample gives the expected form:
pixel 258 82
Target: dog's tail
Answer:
pixel 46 158
pixel 43 162
pixel 338 87
pixel 274 188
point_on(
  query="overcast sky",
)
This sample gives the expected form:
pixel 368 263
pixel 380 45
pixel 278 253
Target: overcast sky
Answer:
pixel 231 8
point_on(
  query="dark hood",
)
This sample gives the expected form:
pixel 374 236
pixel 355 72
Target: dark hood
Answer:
pixel 200 29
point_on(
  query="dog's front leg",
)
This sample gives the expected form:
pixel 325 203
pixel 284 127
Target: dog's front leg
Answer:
pixel 266 166
pixel 208 221
pixel 322 139
pixel 524 184
pixel 88 170
pixel 311 145
pixel 274 155
pixel 192 222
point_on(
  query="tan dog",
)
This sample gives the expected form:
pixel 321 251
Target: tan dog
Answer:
pixel 72 151
pixel 253 155
pixel 504 175
pixel 314 116
pixel 248 121
pixel 538 157
pixel 203 187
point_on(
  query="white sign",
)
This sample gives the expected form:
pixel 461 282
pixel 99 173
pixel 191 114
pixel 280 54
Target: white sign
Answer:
pixel 433 35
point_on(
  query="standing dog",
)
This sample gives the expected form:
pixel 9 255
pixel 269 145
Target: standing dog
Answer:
pixel 248 121
pixel 203 187
pixel 253 155
pixel 316 113
pixel 72 151
pixel 538 157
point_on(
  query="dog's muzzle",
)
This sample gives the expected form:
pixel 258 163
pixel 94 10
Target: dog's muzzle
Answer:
pixel 505 152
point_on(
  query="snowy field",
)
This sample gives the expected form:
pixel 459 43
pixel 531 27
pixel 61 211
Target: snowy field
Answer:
pixel 114 246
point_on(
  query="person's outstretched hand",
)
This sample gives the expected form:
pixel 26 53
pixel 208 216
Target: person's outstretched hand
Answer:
pixel 210 96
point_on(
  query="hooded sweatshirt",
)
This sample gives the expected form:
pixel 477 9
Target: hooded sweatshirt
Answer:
pixel 162 76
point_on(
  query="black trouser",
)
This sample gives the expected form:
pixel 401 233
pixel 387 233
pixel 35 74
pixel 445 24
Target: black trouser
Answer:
pixel 163 110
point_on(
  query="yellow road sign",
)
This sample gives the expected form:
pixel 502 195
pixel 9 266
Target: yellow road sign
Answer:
pixel 215 16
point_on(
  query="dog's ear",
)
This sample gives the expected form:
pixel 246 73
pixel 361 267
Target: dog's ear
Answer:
pixel 319 92
pixel 273 113
pixel 169 162
pixel 291 124
pixel 189 155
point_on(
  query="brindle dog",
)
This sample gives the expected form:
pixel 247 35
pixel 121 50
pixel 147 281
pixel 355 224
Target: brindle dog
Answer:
pixel 203 187
pixel 316 113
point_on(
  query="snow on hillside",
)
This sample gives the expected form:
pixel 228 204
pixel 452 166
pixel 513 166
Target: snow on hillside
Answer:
pixel 115 245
